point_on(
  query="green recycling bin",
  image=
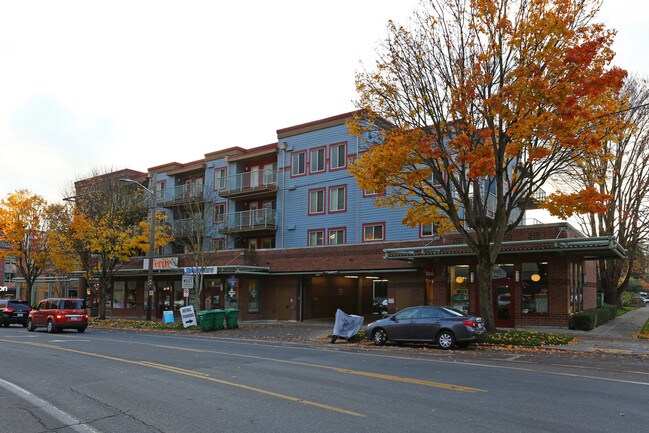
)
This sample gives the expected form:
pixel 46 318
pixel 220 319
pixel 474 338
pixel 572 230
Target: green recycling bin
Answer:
pixel 206 320
pixel 231 317
pixel 219 315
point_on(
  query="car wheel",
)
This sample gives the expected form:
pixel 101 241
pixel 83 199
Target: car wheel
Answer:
pixel 379 337
pixel 25 325
pixel 50 327
pixel 446 340
pixel 30 325
pixel 81 330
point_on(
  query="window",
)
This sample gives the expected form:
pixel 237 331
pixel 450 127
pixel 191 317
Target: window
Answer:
pixel 337 198
pixel 131 293
pixel 220 178
pixel 270 174
pixel 218 244
pixel 316 201
pixel 118 294
pixel 338 156
pixel 576 287
pixel 316 237
pixel 160 189
pixel 374 232
pixel 427 230
pixel 219 213
pixel 267 242
pixel 252 244
pixel 336 236
pixel 535 288
pixel 298 164
pixel 459 277
pixel 317 162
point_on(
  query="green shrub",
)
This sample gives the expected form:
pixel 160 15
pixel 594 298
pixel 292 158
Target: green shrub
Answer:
pixel 591 319
pixel 516 337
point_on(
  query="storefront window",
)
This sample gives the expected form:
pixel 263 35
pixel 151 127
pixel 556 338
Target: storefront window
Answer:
pixel 118 294
pixel 131 291
pixel 534 284
pixel 179 298
pixel 253 296
pixel 576 288
pixel 459 283
pixel 213 291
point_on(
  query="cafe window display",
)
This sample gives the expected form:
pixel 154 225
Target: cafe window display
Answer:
pixel 534 284
pixel 458 280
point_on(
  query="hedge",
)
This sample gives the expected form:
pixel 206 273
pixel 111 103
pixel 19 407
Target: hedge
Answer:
pixel 591 319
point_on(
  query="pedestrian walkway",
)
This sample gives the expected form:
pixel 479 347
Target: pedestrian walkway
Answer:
pixel 616 336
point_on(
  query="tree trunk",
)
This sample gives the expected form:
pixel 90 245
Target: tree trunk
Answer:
pixel 484 288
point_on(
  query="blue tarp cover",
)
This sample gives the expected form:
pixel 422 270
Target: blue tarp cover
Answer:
pixel 347 325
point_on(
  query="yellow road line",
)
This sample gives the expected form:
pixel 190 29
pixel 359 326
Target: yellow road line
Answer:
pixel 389 377
pixel 191 373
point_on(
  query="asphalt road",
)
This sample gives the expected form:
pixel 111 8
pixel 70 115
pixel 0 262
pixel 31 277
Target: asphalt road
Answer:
pixel 116 381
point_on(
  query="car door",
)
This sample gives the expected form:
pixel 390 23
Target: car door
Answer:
pixel 428 324
pixel 403 323
pixel 39 314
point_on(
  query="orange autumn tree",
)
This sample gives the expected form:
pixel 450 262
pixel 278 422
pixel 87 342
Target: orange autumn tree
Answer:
pixel 486 99
pixel 105 228
pixel 23 228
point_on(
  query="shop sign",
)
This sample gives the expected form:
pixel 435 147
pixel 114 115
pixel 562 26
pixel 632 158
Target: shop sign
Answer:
pixel 4 289
pixel 162 263
pixel 208 270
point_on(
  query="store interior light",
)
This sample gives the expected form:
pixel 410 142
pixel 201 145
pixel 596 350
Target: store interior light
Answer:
pixel 372 278
pixel 351 276
pixel 536 278
pixel 459 280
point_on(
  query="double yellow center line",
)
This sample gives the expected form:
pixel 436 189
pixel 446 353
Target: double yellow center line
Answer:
pixel 207 377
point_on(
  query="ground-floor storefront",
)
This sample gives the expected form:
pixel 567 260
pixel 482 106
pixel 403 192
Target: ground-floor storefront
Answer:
pixel 543 274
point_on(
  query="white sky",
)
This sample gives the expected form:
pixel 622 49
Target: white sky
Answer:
pixel 135 83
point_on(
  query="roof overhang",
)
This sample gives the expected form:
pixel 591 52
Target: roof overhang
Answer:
pixel 605 247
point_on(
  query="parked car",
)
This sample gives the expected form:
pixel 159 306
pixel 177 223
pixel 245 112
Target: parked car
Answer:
pixel 14 311
pixel 59 313
pixel 444 326
pixel 642 298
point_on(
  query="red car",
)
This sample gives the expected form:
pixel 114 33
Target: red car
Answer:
pixel 59 313
pixel 14 311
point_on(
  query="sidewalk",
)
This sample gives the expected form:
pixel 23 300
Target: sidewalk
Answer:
pixel 615 337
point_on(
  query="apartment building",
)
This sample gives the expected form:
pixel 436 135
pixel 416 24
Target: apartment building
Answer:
pixel 288 235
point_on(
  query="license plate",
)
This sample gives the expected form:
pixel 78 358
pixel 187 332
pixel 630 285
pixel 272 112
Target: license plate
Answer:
pixel 20 314
pixel 74 318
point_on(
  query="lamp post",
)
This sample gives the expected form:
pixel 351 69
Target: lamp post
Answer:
pixel 151 242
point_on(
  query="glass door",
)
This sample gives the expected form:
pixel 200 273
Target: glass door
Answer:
pixel 503 305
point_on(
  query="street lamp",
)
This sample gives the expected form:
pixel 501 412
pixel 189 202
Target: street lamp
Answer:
pixel 151 242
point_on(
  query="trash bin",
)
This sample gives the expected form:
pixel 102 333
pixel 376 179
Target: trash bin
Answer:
pixel 218 315
pixel 206 320
pixel 231 317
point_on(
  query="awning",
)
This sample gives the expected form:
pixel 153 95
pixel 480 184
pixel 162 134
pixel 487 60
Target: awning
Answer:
pixel 605 247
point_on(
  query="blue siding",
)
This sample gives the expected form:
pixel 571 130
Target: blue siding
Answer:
pixel 294 227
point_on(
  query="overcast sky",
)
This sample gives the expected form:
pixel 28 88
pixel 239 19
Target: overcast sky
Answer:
pixel 134 84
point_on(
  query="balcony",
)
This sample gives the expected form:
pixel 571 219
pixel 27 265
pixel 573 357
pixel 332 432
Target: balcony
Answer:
pixel 258 182
pixel 257 220
pixel 179 195
pixel 185 227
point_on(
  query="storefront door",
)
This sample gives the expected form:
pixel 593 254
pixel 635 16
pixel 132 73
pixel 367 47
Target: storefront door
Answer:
pixel 503 304
pixel 163 301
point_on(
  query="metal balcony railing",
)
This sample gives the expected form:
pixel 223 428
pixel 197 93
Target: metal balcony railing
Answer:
pixel 249 181
pixel 249 220
pixel 180 194
pixel 185 227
